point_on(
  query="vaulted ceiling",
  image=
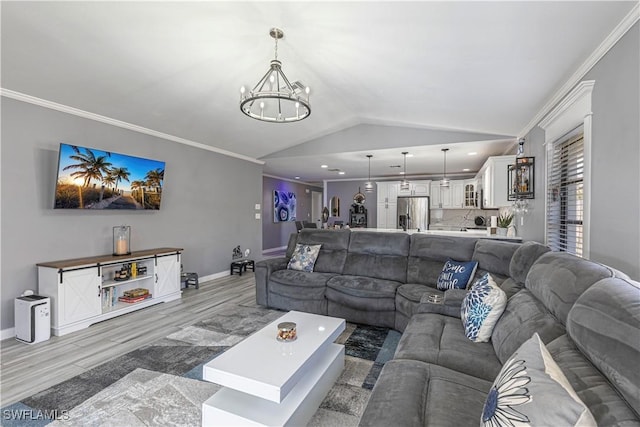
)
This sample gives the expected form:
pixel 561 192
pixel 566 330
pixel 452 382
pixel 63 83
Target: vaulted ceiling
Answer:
pixel 467 75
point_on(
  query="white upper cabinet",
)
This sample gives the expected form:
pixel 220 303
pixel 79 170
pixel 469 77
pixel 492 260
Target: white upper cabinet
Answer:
pixel 493 176
pixel 416 188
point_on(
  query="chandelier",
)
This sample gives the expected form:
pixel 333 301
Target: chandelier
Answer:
pixel 368 186
pixel 444 182
pixel 404 185
pixel 274 99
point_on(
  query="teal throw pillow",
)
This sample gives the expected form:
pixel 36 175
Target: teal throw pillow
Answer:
pixel 456 274
pixel 304 257
pixel 481 308
pixel 531 390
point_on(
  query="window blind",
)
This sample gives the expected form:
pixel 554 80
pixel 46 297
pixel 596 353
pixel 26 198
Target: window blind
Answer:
pixel 565 195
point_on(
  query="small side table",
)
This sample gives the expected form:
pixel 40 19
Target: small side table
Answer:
pixel 190 279
pixel 241 265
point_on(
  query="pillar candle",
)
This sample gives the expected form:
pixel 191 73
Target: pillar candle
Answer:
pixel 494 221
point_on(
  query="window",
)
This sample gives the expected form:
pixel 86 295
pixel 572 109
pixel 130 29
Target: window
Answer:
pixel 568 139
pixel 565 194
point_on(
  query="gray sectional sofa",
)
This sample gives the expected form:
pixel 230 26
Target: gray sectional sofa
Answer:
pixel 380 278
pixel 586 314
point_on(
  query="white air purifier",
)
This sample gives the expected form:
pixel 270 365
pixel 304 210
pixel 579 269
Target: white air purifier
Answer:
pixel 32 319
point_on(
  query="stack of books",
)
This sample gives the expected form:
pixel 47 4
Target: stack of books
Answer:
pixel 135 295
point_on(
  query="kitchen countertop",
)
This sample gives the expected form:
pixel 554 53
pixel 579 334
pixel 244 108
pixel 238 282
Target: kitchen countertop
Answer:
pixel 469 233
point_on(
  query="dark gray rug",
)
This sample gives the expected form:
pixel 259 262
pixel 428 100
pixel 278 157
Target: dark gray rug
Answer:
pixel 161 383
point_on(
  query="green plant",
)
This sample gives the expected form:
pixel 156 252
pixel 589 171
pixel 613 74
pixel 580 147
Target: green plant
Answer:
pixel 504 220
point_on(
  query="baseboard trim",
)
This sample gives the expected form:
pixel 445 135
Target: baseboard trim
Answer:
pixel 7 333
pixel 213 276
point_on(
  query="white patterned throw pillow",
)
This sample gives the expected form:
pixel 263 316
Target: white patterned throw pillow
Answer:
pixel 531 390
pixel 481 308
pixel 304 257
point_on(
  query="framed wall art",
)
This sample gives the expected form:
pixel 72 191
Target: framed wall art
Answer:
pixel 284 206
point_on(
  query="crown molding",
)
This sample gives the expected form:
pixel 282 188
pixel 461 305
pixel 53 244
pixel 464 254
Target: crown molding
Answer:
pixel 297 181
pixel 620 30
pixel 7 93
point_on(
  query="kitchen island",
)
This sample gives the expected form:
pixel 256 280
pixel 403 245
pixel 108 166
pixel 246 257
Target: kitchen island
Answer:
pixel 469 233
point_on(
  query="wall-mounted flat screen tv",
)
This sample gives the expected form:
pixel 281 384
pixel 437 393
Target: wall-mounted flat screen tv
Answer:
pixel 89 178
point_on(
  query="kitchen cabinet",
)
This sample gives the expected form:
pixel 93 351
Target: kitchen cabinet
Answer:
pixel 451 197
pixel 456 193
pixel 470 190
pixel 387 205
pixel 494 178
pixel 416 188
pixel 85 291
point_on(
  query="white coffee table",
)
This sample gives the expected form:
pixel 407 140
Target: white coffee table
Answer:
pixel 268 382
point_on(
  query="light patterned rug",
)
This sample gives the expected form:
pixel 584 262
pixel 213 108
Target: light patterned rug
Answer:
pixel 161 383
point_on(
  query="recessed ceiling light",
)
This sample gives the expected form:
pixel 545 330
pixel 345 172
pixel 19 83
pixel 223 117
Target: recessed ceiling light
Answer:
pixel 341 173
pixel 324 166
pixel 409 155
pixel 401 173
pixel 297 177
pixel 473 153
pixel 466 170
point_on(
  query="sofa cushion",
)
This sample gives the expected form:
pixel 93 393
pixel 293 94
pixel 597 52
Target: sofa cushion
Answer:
pixel 365 293
pixel 378 255
pixel 412 393
pixel 494 256
pixel 456 274
pixel 523 258
pixel 523 315
pixel 481 308
pixel 558 279
pixel 428 252
pixel 438 339
pixel 605 325
pixel 408 297
pixel 333 252
pixel 532 390
pixel 304 257
pixel 603 400
pixel 298 284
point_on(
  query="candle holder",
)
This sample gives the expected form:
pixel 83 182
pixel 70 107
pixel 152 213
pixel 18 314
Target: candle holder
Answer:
pixel 121 240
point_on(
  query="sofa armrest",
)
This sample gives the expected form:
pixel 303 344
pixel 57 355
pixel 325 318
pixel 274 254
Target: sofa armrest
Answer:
pixel 264 269
pixel 449 306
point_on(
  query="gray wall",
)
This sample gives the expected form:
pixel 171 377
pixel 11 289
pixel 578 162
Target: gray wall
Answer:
pixel 276 234
pixel 207 206
pixel 345 190
pixel 615 177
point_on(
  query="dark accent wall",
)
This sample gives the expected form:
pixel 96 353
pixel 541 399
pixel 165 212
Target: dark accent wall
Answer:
pixel 208 202
pixel 345 190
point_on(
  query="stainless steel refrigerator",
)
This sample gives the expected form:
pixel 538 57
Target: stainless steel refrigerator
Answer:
pixel 413 212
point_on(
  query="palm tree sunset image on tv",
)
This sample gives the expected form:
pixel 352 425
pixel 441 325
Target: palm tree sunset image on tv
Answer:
pixel 89 178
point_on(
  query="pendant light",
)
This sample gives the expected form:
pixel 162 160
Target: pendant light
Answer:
pixel 445 181
pixel 274 99
pixel 368 186
pixel 404 185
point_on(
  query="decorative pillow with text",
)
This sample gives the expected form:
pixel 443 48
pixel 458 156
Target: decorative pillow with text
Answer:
pixel 456 274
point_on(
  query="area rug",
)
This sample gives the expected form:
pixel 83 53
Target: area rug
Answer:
pixel 161 383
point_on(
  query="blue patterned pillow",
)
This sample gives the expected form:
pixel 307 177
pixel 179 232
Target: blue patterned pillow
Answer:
pixel 481 308
pixel 304 257
pixel 532 390
pixel 456 274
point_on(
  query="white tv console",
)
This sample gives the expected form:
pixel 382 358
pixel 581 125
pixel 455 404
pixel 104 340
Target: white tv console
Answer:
pixel 84 291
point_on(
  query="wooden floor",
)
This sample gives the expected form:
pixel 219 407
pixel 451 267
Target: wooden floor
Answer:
pixel 27 369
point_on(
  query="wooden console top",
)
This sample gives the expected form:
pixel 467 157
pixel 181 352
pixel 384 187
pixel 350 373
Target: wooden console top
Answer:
pixel 107 258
